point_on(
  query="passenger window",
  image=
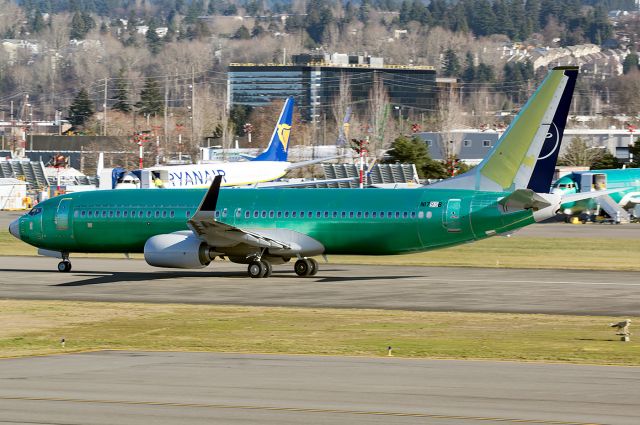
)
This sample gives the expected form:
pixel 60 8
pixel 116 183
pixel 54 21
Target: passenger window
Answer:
pixel 334 214
pixel 148 213
pixel 83 213
pixel 350 214
pixel 366 214
pixel 301 214
pixel 224 213
pixel 111 213
pixel 413 214
pixel 157 214
pixel 75 213
pixel 389 214
pixel 420 214
pixel 256 213
pixel 326 214
pixel 188 214
pixel 397 214
pixel 286 214
pixel 359 215
pixel 271 214
pixel 164 214
pixel 405 214
pixel 293 214
pixel 216 214
pixel 264 214
pixel 172 214
pixel 238 212
pixel 310 214
pixel 279 215
pixel 373 214
pixel 118 213
pixel 247 214
pixel 125 213
pixel 104 213
pixel 344 214
pixel 318 214
pixel 90 213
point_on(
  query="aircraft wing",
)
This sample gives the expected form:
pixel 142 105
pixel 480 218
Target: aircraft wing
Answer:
pixel 300 164
pixel 217 234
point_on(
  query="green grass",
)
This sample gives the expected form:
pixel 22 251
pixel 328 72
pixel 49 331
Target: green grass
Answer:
pixel 514 252
pixel 35 327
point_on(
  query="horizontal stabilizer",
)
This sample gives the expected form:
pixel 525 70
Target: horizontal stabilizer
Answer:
pixel 524 199
pixel 574 197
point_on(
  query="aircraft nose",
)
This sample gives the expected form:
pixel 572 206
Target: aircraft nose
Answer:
pixel 14 228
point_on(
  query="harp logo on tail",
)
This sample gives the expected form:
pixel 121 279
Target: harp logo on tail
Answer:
pixel 283 134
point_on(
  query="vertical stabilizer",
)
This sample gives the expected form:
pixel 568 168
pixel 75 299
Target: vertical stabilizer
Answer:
pixel 278 148
pixel 525 156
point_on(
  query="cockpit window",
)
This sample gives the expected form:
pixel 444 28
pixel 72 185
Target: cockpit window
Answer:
pixel 35 211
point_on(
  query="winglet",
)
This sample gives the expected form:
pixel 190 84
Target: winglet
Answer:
pixel 210 200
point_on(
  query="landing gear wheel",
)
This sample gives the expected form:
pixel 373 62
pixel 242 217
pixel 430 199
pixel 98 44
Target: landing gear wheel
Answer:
pixel 314 266
pixel 256 269
pixel 267 268
pixel 64 266
pixel 303 267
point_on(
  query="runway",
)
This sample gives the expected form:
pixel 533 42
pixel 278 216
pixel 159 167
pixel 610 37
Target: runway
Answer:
pixel 198 388
pixel 340 286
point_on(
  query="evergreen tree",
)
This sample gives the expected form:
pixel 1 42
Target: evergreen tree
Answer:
pixel 257 30
pixel 121 97
pixel 242 33
pixel 634 153
pixel 81 108
pixel 469 73
pixel 154 43
pixel 319 16
pixel 605 162
pixel 151 101
pixel 532 14
pixel 630 63
pixel 78 29
pixel 414 151
pixel 484 21
pixel 451 65
pixel 37 22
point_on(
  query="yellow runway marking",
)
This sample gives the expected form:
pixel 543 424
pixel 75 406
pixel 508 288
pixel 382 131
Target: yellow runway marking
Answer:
pixel 295 409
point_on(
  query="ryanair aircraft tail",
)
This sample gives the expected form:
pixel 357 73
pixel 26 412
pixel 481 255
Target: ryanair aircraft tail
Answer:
pixel 525 156
pixel 279 145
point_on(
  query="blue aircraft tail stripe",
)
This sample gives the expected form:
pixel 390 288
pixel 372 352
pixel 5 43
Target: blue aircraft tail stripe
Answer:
pixel 545 167
pixel 278 148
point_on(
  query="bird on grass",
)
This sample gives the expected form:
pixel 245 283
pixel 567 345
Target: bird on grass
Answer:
pixel 623 327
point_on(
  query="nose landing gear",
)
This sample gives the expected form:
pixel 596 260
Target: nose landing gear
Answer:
pixel 64 266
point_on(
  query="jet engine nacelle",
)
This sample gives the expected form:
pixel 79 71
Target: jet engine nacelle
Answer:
pixel 181 250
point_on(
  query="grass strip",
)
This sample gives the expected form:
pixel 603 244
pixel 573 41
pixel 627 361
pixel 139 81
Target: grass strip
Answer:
pixel 36 327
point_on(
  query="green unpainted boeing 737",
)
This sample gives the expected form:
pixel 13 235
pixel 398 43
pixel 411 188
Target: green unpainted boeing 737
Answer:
pixel 261 227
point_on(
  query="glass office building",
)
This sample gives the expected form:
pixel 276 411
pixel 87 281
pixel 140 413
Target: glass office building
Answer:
pixel 314 82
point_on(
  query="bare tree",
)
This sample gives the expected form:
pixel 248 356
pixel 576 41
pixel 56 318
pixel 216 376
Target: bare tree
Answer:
pixel 341 104
pixel 579 154
pixel 449 119
pixel 378 113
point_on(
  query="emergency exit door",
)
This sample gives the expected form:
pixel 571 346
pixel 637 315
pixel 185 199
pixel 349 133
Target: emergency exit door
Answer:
pixel 451 219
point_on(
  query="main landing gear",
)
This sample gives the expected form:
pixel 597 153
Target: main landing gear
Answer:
pixel 306 267
pixel 64 266
pixel 259 268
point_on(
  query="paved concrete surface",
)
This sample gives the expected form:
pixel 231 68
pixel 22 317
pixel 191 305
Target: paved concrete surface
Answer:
pixel 342 286
pixel 197 388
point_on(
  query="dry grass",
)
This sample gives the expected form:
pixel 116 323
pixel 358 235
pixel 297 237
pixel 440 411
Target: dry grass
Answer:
pixel 35 327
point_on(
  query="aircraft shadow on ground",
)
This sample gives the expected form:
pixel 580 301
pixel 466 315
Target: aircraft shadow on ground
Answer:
pixel 88 278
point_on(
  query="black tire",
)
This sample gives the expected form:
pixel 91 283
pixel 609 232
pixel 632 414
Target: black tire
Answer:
pixel 302 267
pixel 314 267
pixel 256 269
pixel 64 266
pixel 268 269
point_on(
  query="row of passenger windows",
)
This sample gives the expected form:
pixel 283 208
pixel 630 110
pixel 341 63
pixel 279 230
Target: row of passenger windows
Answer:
pixel 249 213
pixel 126 213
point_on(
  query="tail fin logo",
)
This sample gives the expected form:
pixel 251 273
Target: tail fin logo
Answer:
pixel 283 134
pixel 551 143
